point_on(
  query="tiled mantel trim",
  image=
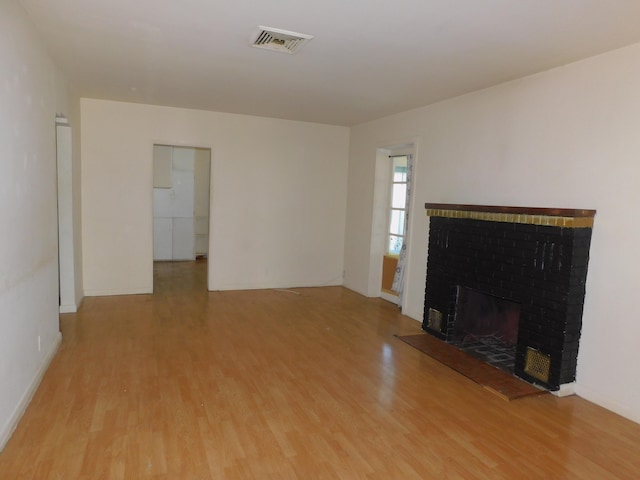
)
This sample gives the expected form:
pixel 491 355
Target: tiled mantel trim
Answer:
pixel 553 217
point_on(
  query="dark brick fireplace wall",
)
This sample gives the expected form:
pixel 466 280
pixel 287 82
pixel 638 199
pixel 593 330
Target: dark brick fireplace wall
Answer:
pixel 536 257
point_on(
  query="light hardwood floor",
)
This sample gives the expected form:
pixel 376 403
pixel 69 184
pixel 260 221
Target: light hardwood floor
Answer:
pixel 270 384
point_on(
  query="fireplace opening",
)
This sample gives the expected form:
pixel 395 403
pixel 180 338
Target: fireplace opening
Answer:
pixel 486 327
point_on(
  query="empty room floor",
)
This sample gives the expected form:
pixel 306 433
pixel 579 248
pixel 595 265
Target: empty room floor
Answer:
pixel 286 384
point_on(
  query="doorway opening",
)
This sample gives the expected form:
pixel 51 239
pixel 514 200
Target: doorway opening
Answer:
pixel 396 229
pixel 69 296
pixel 181 203
pixel 394 165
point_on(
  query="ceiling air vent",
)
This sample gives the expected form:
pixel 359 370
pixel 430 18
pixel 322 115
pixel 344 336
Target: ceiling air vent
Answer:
pixel 279 40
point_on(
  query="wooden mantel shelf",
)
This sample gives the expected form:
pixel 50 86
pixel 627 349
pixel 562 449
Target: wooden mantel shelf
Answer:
pixel 556 217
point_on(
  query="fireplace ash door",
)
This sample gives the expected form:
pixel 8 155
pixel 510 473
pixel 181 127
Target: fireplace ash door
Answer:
pixel 534 258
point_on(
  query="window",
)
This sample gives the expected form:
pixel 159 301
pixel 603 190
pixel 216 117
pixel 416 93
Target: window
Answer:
pixel 398 204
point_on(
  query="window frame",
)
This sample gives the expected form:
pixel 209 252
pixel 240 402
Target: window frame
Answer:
pixel 391 208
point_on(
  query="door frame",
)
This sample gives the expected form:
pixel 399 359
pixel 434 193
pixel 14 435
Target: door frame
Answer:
pixel 171 143
pixel 380 220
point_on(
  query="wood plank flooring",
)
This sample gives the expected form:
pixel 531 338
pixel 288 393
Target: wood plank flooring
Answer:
pixel 272 384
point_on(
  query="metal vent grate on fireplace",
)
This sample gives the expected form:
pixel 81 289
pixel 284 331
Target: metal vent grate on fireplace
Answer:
pixel 537 364
pixel 435 320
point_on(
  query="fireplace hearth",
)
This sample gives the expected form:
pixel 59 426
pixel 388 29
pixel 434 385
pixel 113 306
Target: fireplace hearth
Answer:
pixel 507 284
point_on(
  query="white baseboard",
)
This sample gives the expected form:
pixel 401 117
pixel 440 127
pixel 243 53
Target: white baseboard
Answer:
pixel 357 290
pixel 277 286
pixel 123 291
pixel 72 307
pixel 565 390
pixel 11 425
pixel 389 298
pixel 629 410
pixel 68 308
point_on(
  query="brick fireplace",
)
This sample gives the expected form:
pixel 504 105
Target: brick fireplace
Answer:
pixel 532 261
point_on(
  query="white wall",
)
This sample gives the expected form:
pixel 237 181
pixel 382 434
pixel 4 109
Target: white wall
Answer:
pixel 564 138
pixel 31 92
pixel 278 196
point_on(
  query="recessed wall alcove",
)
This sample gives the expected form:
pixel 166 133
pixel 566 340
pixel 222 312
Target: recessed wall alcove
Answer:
pixel 535 258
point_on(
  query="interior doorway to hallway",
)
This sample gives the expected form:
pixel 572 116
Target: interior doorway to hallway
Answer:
pixel 69 295
pixel 181 201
